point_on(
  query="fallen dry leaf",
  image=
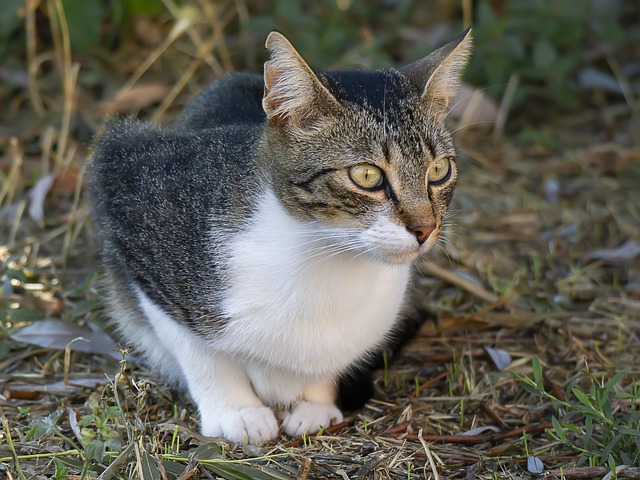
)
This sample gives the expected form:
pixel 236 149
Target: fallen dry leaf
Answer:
pixel 37 196
pixel 628 250
pixel 135 99
pixel 57 334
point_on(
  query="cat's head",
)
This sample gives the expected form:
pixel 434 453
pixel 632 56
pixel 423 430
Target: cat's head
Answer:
pixel 364 153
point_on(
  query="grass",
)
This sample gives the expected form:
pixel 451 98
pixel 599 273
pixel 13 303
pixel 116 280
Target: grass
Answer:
pixel 541 266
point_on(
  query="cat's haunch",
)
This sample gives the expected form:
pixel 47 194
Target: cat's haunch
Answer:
pixel 259 251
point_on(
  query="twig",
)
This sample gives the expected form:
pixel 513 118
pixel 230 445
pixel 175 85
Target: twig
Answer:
pixel 12 448
pixel 493 415
pixel 364 470
pixel 306 468
pixel 329 430
pixel 436 476
pixel 488 438
pixel 623 471
pixel 430 383
pixel 434 270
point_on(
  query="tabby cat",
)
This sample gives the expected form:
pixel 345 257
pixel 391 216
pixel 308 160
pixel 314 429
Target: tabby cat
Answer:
pixel 261 248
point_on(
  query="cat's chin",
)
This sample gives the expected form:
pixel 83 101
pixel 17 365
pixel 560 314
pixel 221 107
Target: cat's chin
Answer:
pixel 396 258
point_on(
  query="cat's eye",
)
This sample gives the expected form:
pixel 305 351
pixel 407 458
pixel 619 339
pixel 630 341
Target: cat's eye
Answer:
pixel 439 171
pixel 366 176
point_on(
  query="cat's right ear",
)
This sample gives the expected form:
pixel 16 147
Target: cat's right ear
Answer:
pixel 438 74
pixel 293 94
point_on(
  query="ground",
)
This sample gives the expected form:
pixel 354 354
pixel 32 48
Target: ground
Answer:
pixel 531 367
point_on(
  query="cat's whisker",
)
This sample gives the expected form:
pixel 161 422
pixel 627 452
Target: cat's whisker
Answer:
pixel 446 115
pixel 450 214
pixel 439 249
pixel 471 124
pixel 324 258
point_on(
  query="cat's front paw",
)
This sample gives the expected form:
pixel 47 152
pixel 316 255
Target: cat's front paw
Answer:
pixel 245 425
pixel 310 417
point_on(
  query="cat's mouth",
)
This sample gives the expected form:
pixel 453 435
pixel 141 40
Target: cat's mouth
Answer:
pixel 406 249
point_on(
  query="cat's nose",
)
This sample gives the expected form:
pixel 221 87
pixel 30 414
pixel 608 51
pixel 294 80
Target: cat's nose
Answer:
pixel 421 232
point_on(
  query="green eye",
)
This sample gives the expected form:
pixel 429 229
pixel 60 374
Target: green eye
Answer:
pixel 366 176
pixel 439 171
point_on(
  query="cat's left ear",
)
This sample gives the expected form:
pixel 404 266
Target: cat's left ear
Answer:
pixel 438 74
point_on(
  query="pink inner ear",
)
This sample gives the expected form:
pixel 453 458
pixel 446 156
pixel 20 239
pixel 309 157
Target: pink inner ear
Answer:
pixel 272 102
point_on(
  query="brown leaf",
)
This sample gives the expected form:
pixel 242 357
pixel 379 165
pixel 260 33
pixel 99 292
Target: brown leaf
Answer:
pixel 135 99
pixel 40 302
pixel 473 107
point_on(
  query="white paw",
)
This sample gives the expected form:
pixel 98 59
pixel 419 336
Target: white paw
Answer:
pixel 310 417
pixel 244 425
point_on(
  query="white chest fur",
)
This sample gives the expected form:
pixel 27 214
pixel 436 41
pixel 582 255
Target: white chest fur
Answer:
pixel 303 305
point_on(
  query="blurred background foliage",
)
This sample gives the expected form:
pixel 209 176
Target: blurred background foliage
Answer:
pixel 563 54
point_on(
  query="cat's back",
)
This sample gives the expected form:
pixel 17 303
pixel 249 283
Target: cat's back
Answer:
pixel 233 99
pixel 133 159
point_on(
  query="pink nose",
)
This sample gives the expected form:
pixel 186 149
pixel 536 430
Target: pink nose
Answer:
pixel 421 232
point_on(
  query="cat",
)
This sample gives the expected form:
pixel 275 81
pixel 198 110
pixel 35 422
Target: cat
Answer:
pixel 260 249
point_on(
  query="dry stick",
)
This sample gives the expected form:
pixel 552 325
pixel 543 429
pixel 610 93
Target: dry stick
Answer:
pixel 329 430
pixel 32 66
pixel 68 238
pixel 12 449
pixel 505 106
pixel 69 73
pixel 430 383
pixel 195 37
pixel 474 439
pixel 203 52
pixel 306 468
pixel 493 415
pixel 434 470
pixel 622 471
pixel 184 79
pixel 11 179
pixel 432 269
pixel 181 26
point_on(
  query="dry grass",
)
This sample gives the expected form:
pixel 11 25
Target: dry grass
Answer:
pixel 543 261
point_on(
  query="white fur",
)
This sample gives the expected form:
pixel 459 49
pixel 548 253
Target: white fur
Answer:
pixel 299 316
pixel 219 386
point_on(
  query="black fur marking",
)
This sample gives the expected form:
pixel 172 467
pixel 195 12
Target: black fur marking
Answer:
pixel 374 91
pixel 432 150
pixel 305 184
pixel 389 192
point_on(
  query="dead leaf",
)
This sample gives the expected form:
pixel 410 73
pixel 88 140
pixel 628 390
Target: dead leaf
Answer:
pixel 501 358
pixel 628 250
pixel 66 182
pixel 473 107
pixel 41 302
pixel 504 449
pixel 37 196
pixel 481 430
pixel 31 392
pixel 57 334
pixel 135 99
pixel 148 31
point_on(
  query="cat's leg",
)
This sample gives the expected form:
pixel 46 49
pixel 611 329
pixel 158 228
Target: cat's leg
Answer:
pixel 228 406
pixel 219 385
pixel 317 410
